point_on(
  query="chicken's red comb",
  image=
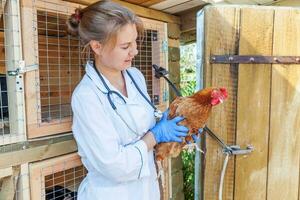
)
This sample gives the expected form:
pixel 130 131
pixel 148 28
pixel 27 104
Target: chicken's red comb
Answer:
pixel 224 92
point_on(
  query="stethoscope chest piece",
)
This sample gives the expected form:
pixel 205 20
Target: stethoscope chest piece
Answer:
pixel 158 114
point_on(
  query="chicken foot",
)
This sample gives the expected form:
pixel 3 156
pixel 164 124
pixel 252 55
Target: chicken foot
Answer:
pixel 191 146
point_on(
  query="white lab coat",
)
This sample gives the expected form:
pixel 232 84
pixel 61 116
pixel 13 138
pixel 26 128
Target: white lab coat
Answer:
pixel 118 162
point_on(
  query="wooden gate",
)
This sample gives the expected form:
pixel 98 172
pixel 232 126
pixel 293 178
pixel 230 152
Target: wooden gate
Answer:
pixel 263 108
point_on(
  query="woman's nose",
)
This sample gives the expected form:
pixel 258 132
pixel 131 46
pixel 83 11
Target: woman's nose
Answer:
pixel 133 52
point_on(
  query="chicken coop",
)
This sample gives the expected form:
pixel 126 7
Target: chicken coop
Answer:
pixel 40 65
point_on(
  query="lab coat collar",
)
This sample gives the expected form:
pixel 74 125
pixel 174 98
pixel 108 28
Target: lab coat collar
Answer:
pixel 131 89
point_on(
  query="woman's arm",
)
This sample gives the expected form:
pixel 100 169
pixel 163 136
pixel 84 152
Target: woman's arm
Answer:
pixel 149 139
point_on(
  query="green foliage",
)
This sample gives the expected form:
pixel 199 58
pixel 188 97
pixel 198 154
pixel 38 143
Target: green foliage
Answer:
pixel 188 86
pixel 188 160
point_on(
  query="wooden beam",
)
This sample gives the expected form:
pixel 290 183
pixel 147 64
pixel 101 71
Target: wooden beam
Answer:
pixel 37 150
pixel 286 3
pixel 169 4
pixel 151 2
pixel 184 6
pixel 139 10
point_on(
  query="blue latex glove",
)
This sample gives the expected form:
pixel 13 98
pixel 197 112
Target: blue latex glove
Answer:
pixel 168 130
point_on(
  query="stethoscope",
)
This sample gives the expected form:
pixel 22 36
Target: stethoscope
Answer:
pixel 110 93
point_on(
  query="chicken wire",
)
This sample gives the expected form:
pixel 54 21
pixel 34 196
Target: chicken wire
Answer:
pixel 63 184
pixel 51 180
pixel 151 51
pixel 57 178
pixel 61 60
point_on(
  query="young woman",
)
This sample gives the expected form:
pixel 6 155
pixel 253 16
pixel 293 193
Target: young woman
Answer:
pixel 113 122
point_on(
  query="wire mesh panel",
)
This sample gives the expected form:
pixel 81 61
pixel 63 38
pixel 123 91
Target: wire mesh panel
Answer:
pixel 60 67
pixel 60 60
pixel 11 83
pixel 152 50
pixel 57 178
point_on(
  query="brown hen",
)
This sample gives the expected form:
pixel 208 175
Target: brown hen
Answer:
pixel 196 110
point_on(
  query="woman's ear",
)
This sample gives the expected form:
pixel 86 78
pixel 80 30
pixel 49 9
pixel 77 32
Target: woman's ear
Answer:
pixel 96 47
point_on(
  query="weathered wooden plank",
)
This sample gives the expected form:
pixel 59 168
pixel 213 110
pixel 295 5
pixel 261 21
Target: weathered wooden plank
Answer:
pixel 53 127
pixel 23 188
pixel 29 46
pixel 253 106
pixel 151 2
pixel 6 172
pixel 221 37
pixel 284 150
pixel 185 6
pixel 139 10
pixel 168 3
pixel 286 3
pixel 13 54
pixel 38 151
pixel 8 184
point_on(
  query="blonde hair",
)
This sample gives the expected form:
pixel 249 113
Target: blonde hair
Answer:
pixel 101 21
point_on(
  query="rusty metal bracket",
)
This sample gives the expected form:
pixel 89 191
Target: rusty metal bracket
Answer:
pixel 248 59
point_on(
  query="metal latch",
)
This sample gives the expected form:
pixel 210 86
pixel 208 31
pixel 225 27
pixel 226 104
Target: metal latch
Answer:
pixel 164 46
pixel 236 150
pixel 21 69
pixel 232 149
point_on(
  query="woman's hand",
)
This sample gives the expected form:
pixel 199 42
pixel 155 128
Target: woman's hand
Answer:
pixel 168 130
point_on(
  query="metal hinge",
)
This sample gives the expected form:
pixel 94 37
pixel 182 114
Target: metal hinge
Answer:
pixel 21 69
pixel 254 59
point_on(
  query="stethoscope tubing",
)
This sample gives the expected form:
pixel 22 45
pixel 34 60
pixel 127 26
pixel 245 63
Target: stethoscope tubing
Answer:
pixel 110 92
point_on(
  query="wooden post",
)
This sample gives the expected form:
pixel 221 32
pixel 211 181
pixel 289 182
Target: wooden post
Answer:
pixel 15 86
pixel 174 69
pixel 9 178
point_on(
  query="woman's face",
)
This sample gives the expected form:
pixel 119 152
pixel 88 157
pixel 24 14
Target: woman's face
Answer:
pixel 120 56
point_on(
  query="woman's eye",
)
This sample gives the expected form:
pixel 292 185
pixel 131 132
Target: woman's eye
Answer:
pixel 125 47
